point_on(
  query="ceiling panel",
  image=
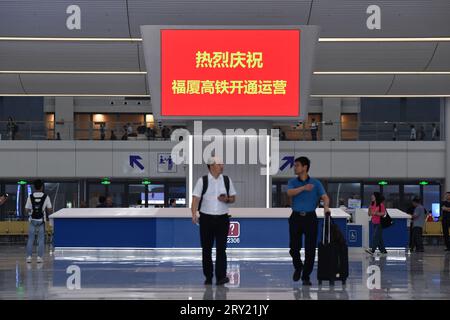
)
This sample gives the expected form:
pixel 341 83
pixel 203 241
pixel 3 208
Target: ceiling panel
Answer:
pixel 378 56
pixel 423 84
pixel 349 84
pixel 76 56
pixel 216 12
pixel 10 83
pixel 47 18
pixel 441 58
pixel 84 84
pixel 399 18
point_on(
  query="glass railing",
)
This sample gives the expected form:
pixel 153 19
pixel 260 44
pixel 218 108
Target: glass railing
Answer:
pixel 325 131
pixel 39 130
pixel 364 131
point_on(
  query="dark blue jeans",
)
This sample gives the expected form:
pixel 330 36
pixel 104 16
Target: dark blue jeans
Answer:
pixel 377 238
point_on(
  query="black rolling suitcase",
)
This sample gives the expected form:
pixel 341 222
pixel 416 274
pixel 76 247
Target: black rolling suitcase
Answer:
pixel 333 254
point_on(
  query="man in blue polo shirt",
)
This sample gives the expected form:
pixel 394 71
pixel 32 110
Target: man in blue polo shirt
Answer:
pixel 306 193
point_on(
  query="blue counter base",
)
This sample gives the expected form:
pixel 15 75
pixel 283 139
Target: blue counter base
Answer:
pixel 169 233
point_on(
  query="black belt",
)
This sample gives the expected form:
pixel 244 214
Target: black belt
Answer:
pixel 215 215
pixel 303 213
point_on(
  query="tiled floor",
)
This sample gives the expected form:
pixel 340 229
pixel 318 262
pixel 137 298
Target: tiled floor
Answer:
pixel 150 274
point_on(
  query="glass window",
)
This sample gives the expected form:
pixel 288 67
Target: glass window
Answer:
pixel 392 196
pixel 369 189
pixel 135 194
pixel 155 195
pixel 274 196
pixel 285 200
pixel 12 209
pixel 179 194
pixel 431 199
pixel 340 193
pixel 117 191
pixel 409 193
pixel 62 194
pixel 95 191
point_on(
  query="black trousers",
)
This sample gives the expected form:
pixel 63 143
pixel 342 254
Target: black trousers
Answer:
pixel 445 225
pixel 299 226
pixel 214 228
pixel 417 242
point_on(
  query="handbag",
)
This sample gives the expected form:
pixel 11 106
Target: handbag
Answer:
pixel 386 221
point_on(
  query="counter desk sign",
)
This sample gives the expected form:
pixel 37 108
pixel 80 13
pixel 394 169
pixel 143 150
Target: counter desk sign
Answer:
pixel 166 164
pixel 234 232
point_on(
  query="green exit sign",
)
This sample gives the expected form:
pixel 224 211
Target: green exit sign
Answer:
pixel 22 182
pixel 105 181
pixel 423 183
pixel 382 183
pixel 146 182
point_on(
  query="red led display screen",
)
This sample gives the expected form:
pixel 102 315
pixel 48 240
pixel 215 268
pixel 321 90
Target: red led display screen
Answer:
pixel 230 73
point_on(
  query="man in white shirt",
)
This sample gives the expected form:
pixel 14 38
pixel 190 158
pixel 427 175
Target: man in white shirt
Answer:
pixel 211 201
pixel 38 206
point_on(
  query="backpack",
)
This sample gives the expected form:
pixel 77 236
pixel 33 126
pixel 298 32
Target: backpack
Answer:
pixel 37 204
pixel 226 180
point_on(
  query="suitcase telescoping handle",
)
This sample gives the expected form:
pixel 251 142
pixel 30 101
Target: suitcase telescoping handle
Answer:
pixel 326 217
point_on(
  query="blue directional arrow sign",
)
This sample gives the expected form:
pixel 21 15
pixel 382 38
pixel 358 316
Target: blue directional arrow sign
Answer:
pixel 289 160
pixel 134 160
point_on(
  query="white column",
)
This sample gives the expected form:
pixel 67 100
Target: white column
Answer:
pixel 64 117
pixel 331 112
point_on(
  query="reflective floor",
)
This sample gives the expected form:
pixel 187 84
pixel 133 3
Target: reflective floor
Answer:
pixel 262 274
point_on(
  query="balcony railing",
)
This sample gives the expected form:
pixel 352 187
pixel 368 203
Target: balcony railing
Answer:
pixel 326 131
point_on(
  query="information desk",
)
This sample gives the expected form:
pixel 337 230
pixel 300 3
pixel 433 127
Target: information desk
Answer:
pixel 173 227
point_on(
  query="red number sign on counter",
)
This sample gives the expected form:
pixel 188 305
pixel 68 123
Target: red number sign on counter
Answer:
pixel 235 230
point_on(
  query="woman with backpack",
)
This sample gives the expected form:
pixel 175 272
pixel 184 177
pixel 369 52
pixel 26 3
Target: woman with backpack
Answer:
pixel 376 211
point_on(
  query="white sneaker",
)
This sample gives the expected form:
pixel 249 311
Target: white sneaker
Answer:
pixel 28 259
pixel 39 260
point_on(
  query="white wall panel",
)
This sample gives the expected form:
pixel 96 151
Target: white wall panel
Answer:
pixel 56 159
pixel 18 159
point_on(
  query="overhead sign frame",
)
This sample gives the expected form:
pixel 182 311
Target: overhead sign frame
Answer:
pixel 151 35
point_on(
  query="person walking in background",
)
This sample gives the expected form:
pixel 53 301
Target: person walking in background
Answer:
pixel 172 203
pixel 445 216
pixel 434 132
pixel 418 223
pixel 129 129
pixel 421 134
pixel 125 133
pixel 101 202
pixel 38 207
pixel 12 128
pixel 394 132
pixel 113 136
pixel 412 135
pixel 102 131
pixel 314 128
pixel 376 211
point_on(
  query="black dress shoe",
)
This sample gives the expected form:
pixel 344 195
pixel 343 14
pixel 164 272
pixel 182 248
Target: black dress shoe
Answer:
pixel 297 274
pixel 208 281
pixel 306 282
pixel 222 281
